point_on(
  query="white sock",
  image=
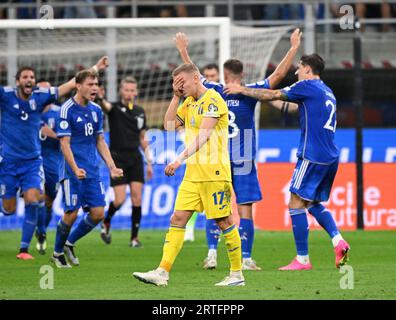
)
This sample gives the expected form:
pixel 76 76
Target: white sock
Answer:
pixel 303 259
pixel 236 273
pixel 212 253
pixel 247 259
pixel 336 239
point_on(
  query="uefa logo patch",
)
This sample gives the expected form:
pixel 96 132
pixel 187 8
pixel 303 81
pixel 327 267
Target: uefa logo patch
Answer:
pixel 64 125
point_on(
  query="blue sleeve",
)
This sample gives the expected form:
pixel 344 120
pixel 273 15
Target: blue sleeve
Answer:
pixel 264 84
pixel 218 87
pixel 63 125
pixel 297 92
pixel 99 128
pixel 50 96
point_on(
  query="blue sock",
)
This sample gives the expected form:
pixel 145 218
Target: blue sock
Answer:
pixel 29 224
pixel 212 233
pixel 325 219
pixel 300 230
pixel 48 216
pixel 246 232
pixel 41 228
pixel 86 225
pixel 62 232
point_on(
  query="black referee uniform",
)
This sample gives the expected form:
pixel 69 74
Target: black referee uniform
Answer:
pixel 126 124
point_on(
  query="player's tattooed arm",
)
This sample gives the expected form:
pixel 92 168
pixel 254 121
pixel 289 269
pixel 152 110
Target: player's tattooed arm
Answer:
pixel 281 70
pixel 259 94
pixel 67 87
pixel 171 121
pixel 181 42
pixel 104 152
pixel 69 157
pixel 284 106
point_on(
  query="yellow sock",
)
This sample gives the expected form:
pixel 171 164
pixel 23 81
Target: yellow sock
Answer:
pixel 173 243
pixel 234 251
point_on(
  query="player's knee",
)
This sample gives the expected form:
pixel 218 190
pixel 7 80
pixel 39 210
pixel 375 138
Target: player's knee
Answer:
pixel 8 208
pixel 31 197
pixel 178 220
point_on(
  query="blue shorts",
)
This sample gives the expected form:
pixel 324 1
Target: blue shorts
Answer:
pixel 245 182
pixel 23 174
pixel 312 181
pixel 82 193
pixel 51 183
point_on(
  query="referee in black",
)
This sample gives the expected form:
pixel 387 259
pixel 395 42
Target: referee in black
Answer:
pixel 127 124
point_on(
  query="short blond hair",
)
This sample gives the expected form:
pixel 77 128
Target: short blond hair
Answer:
pixel 185 67
pixel 128 79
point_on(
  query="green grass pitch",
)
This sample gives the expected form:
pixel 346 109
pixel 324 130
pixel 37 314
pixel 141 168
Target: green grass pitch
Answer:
pixel 106 270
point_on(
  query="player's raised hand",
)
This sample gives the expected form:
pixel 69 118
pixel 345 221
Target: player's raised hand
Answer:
pixel 232 88
pixel 102 63
pixel 178 85
pixel 181 41
pixel 116 173
pixel 80 173
pixel 295 38
pixel 172 167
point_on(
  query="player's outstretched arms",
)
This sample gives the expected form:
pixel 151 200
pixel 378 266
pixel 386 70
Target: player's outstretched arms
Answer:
pixel 67 87
pixel 104 152
pixel 284 106
pixel 281 70
pixel 69 157
pixel 171 121
pixel 181 42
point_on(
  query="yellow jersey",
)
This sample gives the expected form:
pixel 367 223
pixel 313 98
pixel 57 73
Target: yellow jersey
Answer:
pixel 212 161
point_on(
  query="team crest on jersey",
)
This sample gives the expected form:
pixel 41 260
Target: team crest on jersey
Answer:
pixel 64 125
pixel 33 104
pixel 94 116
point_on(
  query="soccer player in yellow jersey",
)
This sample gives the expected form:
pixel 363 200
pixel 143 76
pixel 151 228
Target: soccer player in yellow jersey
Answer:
pixel 207 181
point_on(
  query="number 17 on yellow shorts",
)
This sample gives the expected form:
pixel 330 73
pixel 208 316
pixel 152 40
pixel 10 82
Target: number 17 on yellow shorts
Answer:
pixel 213 197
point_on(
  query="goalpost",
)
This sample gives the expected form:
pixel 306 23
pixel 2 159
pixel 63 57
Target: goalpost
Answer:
pixel 143 48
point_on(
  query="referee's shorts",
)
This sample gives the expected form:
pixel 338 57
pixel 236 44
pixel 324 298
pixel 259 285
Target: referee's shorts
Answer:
pixel 131 162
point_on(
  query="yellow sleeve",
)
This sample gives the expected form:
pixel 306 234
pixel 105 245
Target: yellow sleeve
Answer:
pixel 181 111
pixel 214 107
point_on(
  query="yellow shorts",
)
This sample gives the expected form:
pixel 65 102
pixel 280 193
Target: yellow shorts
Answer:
pixel 213 197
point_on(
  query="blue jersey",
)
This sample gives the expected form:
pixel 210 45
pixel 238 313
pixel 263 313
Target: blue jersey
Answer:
pixel 82 124
pixel 50 148
pixel 241 125
pixel 20 122
pixel 317 110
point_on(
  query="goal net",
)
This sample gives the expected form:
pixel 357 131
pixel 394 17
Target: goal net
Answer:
pixel 143 48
